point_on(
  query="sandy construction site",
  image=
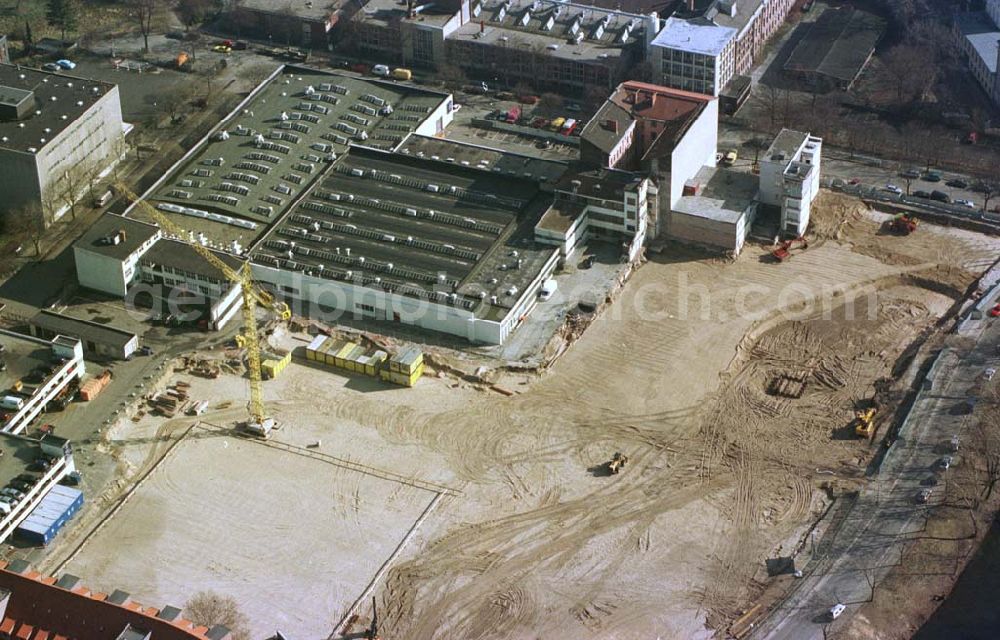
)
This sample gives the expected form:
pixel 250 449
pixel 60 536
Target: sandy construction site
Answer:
pixel 470 514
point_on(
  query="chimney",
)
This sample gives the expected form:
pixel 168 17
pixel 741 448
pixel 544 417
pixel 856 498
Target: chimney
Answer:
pixel 691 5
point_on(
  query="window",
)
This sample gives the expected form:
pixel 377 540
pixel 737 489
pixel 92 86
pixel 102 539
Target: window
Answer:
pixel 365 307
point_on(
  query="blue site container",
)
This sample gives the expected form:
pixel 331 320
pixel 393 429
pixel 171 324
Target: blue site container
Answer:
pixel 51 514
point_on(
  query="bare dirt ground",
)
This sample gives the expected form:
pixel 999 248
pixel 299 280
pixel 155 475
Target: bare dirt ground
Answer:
pixel 533 538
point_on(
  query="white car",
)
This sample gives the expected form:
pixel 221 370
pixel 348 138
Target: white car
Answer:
pixel 66 64
pixel 989 373
pixel 836 610
pixel 891 188
pixel 381 70
pixel 965 203
pixel 547 289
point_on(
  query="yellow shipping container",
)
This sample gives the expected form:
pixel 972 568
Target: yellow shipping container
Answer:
pixel 271 367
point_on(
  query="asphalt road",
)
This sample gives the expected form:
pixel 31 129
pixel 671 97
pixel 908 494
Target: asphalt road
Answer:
pixel 887 515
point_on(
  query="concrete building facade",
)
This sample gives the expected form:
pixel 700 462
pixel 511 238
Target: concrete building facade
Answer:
pixel 66 354
pixel 57 133
pixel 789 178
pixel 99 341
pixel 978 37
pixel 708 43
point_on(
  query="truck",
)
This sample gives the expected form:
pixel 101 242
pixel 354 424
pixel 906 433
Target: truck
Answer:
pixel 402 74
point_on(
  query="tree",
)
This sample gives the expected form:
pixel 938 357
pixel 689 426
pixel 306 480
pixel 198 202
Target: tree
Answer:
pixel 145 13
pixel 550 103
pixel 61 14
pixel 25 223
pixel 257 73
pixel 209 609
pixel 989 189
pixel 70 185
pixel 192 12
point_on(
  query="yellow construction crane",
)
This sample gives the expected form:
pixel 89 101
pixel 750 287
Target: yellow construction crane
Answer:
pixel 252 296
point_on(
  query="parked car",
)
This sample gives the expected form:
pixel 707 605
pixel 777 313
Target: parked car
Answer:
pixel 945 463
pixel 587 262
pixel 146 350
pixel 912 174
pixel 221 48
pixel 932 176
pixel 921 194
pixel 940 196
pixel 836 610
pixel 240 45
pixel 51 66
pixel 965 203
pixel 989 373
pixel 66 64
pixel 957 183
pixel 923 496
pixel 891 188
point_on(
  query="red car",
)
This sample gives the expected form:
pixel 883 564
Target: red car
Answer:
pixel 995 311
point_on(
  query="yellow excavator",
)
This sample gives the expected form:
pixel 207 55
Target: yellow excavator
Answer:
pixel 864 422
pixel 258 423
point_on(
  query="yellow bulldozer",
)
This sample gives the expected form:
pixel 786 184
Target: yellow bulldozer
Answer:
pixel 864 422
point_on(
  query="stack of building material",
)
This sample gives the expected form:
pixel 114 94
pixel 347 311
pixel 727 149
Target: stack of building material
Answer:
pixel 94 386
pixel 167 405
pixel 405 367
pixel 274 363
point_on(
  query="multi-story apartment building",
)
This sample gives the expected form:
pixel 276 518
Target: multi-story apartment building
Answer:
pixel 789 178
pixel 57 133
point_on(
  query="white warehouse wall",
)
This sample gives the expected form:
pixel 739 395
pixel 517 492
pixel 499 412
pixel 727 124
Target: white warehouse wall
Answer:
pixel 696 149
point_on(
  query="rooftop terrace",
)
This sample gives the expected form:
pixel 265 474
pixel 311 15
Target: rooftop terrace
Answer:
pixel 256 163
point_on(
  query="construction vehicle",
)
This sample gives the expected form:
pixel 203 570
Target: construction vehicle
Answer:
pixel 784 250
pixel 864 422
pixel 618 461
pixel 903 224
pixel 258 423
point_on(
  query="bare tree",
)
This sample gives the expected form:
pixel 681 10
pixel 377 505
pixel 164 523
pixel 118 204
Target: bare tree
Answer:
pixel 257 73
pixel 550 103
pixel 451 76
pixel 908 69
pixel 209 609
pixel 990 189
pixel 25 223
pixel 70 184
pixel 146 13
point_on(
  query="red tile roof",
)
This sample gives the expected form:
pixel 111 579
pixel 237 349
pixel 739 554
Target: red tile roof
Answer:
pixel 37 603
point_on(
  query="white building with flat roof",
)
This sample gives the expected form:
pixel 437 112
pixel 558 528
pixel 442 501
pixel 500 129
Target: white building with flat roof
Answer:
pixel 789 178
pixel 694 55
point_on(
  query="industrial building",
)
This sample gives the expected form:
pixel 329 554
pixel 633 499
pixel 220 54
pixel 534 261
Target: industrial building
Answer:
pixel 57 133
pixel 978 35
pixel 34 606
pixel 542 43
pixel 789 178
pixel 603 204
pixel 716 210
pixel 100 341
pixel 418 241
pixel 288 22
pixel 836 48
pixel 36 372
pixel 708 43
pixel 669 134
pixel 335 189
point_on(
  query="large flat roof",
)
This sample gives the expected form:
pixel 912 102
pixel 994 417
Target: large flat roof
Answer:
pixel 385 12
pixel 498 161
pixel 100 237
pixel 785 144
pixel 59 100
pixel 413 227
pixel 551 27
pixel 266 155
pixel 85 330
pixel 839 44
pixel 696 35
pixel 320 10
pixel 181 256
pixel 725 195
pixel 982 34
